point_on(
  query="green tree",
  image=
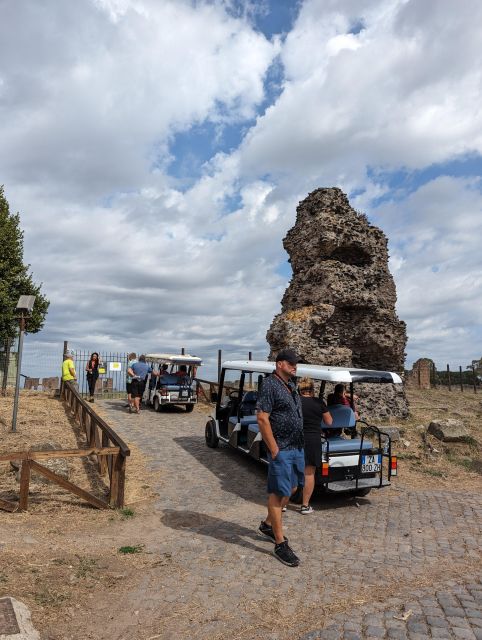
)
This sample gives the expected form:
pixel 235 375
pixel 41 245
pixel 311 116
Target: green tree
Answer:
pixel 15 279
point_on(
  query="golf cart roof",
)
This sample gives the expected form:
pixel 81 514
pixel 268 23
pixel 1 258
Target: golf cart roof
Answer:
pixel 172 358
pixel 318 372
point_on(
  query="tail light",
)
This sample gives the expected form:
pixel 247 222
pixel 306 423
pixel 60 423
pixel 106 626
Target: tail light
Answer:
pixel 393 465
pixel 325 469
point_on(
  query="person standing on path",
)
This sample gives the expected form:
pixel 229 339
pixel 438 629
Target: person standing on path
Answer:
pixel 280 421
pixel 315 412
pixel 92 369
pixel 139 371
pixel 131 359
pixel 68 368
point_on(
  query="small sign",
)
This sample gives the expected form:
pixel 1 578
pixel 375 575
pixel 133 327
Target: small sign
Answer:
pixel 115 366
pixel 101 368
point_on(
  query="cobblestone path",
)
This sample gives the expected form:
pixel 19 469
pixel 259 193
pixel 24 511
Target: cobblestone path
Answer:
pixel 399 563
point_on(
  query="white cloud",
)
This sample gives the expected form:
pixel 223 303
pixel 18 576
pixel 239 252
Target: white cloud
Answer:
pixel 92 95
pixel 435 234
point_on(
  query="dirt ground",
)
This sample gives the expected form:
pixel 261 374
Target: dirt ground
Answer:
pixel 61 552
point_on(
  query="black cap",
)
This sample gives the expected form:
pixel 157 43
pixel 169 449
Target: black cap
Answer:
pixel 289 355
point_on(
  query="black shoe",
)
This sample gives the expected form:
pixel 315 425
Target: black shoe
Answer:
pixel 285 554
pixel 266 530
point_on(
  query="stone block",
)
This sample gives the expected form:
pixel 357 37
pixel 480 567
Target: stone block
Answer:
pixel 450 430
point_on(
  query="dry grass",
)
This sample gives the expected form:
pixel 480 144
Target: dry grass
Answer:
pixel 62 550
pixel 425 462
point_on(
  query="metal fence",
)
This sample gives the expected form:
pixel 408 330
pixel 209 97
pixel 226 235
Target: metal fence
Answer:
pixel 112 373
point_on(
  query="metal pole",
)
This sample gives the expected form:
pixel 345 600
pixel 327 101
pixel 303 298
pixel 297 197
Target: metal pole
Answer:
pixel 19 365
pixel 182 351
pixel 461 380
pixel 448 377
pixel 250 357
pixel 474 379
pixel 219 364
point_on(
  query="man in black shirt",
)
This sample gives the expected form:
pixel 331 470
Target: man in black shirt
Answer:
pixel 280 421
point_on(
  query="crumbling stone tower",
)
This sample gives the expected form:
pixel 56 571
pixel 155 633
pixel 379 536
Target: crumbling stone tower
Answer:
pixel 339 308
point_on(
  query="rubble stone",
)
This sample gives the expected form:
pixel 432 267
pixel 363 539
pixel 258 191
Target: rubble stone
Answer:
pixel 450 430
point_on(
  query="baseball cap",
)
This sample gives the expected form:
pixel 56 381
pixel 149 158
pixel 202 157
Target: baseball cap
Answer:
pixel 289 355
pixel 69 352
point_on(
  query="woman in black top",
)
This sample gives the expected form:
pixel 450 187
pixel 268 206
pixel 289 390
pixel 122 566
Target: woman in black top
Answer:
pixel 314 412
pixel 92 369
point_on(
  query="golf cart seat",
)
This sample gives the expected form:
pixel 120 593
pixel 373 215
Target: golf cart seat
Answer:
pixel 342 445
pixel 248 403
pixel 169 379
pixel 245 421
pixel 253 427
pixel 343 417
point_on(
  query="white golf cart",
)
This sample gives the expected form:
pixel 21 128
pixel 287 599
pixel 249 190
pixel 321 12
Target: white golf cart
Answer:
pixel 356 462
pixel 176 383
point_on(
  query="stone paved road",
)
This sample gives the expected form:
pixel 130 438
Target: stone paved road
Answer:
pixel 397 564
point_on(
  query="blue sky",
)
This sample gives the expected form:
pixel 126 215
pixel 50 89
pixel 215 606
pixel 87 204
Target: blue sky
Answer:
pixel 157 152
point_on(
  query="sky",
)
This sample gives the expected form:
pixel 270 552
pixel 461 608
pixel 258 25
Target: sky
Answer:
pixel 157 150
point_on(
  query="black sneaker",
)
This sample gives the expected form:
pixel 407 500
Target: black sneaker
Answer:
pixel 266 530
pixel 285 554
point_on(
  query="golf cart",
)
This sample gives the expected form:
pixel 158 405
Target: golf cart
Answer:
pixel 176 383
pixel 356 462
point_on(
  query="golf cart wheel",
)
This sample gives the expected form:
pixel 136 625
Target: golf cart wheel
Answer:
pixel 212 439
pixel 362 492
pixel 156 404
pixel 189 408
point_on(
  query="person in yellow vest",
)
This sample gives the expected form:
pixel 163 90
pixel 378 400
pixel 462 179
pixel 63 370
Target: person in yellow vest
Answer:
pixel 68 368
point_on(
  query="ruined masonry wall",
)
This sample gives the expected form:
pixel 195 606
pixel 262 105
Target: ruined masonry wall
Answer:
pixel 339 308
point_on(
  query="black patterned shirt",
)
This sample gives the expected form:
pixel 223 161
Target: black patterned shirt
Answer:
pixel 283 404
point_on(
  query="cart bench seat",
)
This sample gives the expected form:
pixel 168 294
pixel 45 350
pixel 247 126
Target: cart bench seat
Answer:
pixel 248 421
pixel 343 445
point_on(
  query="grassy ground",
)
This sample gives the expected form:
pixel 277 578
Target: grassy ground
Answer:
pixel 425 461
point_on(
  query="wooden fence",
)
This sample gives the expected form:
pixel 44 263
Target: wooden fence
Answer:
pixel 109 449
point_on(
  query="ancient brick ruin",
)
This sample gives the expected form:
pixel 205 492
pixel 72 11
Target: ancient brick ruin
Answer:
pixel 339 308
pixel 421 373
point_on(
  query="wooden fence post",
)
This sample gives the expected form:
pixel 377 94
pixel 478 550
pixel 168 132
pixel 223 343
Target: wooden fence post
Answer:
pixel 474 379
pixel 448 378
pixel 24 485
pixel 461 380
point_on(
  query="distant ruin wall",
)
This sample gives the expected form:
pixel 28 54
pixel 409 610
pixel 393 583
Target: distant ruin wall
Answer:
pixel 339 308
pixel 421 373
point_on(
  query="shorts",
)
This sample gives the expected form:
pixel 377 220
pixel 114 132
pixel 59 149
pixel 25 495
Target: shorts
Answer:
pixel 129 387
pixel 137 388
pixel 286 472
pixel 312 449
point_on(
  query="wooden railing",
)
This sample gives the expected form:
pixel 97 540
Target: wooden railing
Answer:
pixel 213 389
pixel 110 449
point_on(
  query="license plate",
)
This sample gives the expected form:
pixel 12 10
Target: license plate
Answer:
pixel 371 464
pixel 184 394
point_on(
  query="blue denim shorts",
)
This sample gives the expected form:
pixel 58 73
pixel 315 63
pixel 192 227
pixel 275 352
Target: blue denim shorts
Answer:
pixel 286 472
